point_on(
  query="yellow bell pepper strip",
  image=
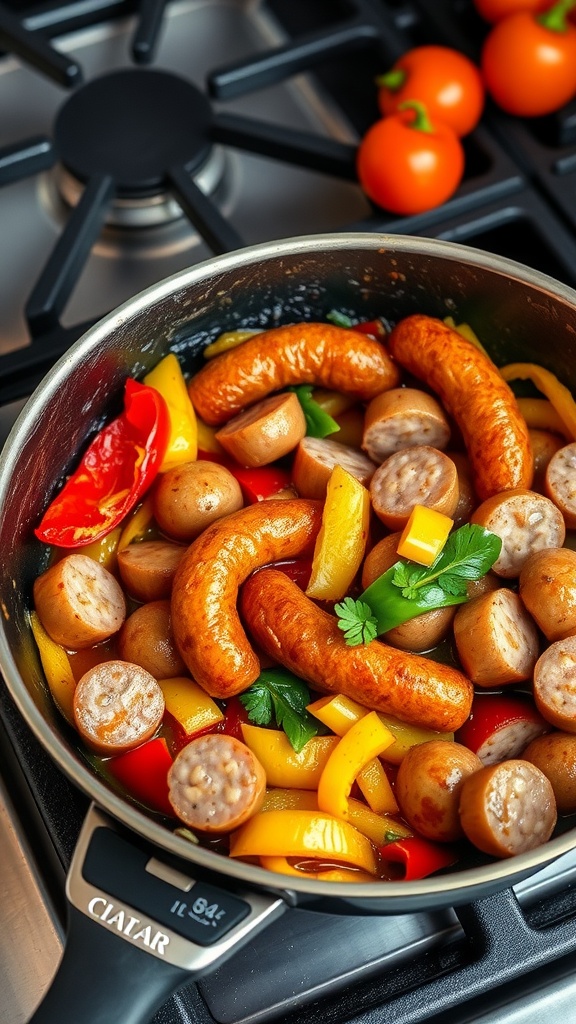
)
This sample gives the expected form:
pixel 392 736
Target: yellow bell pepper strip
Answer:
pixel 466 331
pixel 168 379
pixel 190 705
pixel 208 445
pixel 304 834
pixel 57 669
pixel 378 828
pixel 114 473
pixel 540 414
pixel 366 739
pixel 278 799
pixel 424 535
pixel 546 382
pixel 339 713
pixel 105 550
pixel 140 525
pixel 334 403
pixel 341 543
pixel 282 866
pixel 283 766
pixel 375 787
pixel 226 341
pixel 407 736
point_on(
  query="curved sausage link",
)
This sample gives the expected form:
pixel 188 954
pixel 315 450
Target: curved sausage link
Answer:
pixel 205 621
pixel 307 640
pixel 474 393
pixel 309 353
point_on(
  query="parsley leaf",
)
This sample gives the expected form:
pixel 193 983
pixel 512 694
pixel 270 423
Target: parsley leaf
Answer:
pixel 407 589
pixel 355 618
pixel 467 555
pixel 279 698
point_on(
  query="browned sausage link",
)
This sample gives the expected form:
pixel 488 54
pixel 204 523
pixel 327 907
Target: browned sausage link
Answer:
pixel 507 808
pixel 307 640
pixel 474 393
pixel 216 783
pixel 308 353
pixel 205 621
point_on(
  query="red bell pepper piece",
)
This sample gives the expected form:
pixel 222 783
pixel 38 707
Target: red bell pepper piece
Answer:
pixel 143 773
pixel 375 328
pixel 234 717
pixel 115 471
pixel 501 726
pixel 418 857
pixel 260 483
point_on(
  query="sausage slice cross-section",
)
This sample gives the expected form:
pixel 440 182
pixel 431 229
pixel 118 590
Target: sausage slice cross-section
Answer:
pixel 216 783
pixel 117 706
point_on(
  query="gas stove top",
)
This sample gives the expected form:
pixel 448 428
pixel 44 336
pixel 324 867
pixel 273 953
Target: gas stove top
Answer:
pixel 136 140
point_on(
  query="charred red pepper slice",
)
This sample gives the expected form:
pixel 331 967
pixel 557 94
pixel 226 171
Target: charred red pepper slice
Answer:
pixel 143 773
pixel 117 468
pixel 419 857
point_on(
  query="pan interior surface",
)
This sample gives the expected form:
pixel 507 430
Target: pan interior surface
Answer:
pixel 519 314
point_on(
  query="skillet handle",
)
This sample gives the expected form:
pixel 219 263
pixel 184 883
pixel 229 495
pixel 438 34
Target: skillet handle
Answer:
pixel 102 978
pixel 139 928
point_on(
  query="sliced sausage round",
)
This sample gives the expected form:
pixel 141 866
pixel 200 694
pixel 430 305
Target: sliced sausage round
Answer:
pixel 146 638
pixel 402 418
pixel 147 569
pixel 414 476
pixel 117 706
pixel 315 459
pixel 264 432
pixel 79 602
pixel 216 783
pixel 496 639
pixel 560 482
pixel 555 684
pixel 547 586
pixel 525 522
pixel 555 756
pixel 190 497
pixel 508 808
pixel 428 785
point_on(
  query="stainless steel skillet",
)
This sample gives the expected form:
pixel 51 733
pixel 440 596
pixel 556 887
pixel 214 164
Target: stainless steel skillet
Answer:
pixel 140 896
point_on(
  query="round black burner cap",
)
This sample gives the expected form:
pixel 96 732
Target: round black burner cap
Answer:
pixel 133 124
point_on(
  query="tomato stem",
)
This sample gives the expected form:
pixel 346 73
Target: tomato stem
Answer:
pixel 555 18
pixel 421 122
pixel 392 80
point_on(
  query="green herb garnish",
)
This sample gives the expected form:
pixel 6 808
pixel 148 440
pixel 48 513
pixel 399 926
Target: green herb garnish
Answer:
pixel 279 698
pixel 318 422
pixel 407 589
pixel 355 618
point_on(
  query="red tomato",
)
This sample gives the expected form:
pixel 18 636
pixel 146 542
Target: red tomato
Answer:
pixel 447 83
pixel 529 67
pixel 495 10
pixel 406 165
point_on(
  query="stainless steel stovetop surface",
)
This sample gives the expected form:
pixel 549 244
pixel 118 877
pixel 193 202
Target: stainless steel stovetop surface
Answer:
pixel 263 198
